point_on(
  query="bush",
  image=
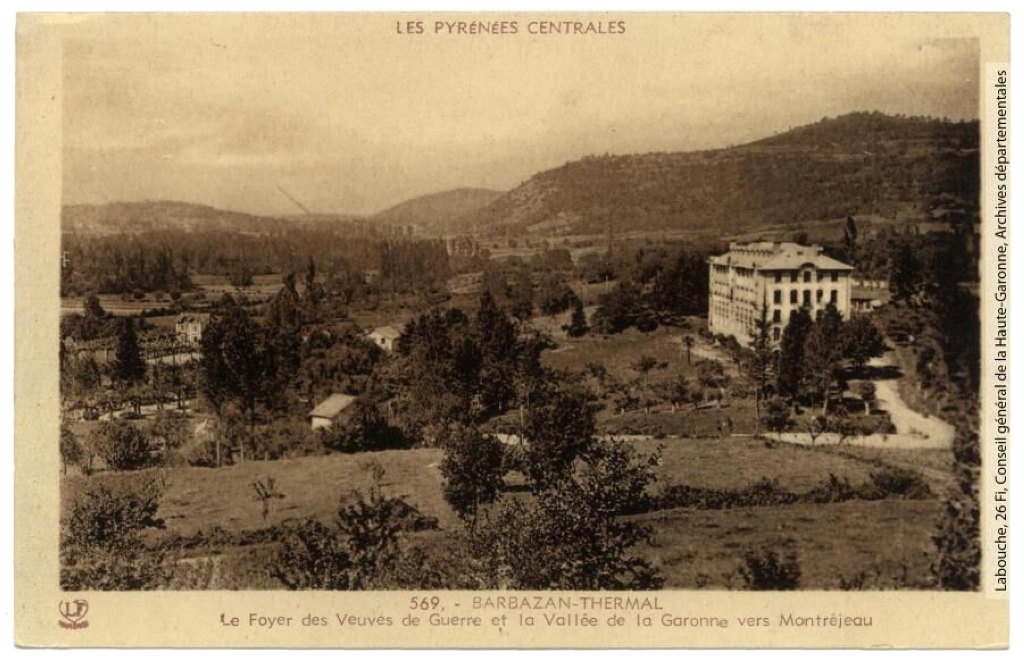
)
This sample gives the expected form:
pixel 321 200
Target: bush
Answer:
pixel 123 446
pixel 71 450
pixel 831 490
pixel 101 542
pixel 762 493
pixel 358 553
pixel 897 482
pixel 764 570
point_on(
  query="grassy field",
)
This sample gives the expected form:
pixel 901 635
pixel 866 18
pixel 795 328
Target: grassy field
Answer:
pixel 694 548
pixel 833 542
pixel 620 352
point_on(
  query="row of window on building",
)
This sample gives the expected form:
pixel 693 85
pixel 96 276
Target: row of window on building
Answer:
pixel 794 276
pixel 833 297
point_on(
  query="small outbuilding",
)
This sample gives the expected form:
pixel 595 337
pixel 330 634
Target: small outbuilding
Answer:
pixel 385 337
pixel 330 410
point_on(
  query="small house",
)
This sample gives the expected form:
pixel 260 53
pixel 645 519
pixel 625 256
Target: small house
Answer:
pixel 385 337
pixel 189 327
pixel 330 410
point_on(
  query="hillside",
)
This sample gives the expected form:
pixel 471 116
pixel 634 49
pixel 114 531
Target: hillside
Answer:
pixel 862 163
pixel 168 215
pixel 162 215
pixel 434 213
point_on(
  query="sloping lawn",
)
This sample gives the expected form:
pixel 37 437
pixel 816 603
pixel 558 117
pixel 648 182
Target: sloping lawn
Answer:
pixel 888 540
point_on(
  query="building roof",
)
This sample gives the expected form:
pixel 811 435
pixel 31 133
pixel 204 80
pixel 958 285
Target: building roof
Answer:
pixel 193 317
pixel 775 256
pixel 871 294
pixel 330 407
pixel 388 331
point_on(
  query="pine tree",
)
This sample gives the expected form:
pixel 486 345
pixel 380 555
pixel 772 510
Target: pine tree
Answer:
pixel 822 355
pixel 760 364
pixel 791 353
pixel 904 271
pixel 128 364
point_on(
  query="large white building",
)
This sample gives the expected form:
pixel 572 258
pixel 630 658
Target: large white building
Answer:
pixel 780 275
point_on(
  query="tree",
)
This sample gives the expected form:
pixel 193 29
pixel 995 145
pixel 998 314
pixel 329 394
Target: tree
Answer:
pixel 496 338
pixel 822 354
pixel 644 365
pixel 577 326
pixel 867 394
pixel 573 535
pixel 246 363
pixel 760 361
pixel 904 271
pixel 676 391
pixel 473 469
pixel 93 308
pixel 559 428
pixel 688 344
pixel 556 296
pixel 791 353
pixel 777 417
pixel 521 295
pixel 266 491
pixel 710 375
pixel 128 364
pixel 618 310
pixel 861 341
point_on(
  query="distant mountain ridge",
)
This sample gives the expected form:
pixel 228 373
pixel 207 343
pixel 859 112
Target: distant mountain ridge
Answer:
pixel 430 215
pixel 162 215
pixel 861 163
pixel 435 213
pixel 856 164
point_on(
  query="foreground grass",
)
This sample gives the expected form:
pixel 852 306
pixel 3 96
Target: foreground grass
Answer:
pixel 888 541
pixel 694 548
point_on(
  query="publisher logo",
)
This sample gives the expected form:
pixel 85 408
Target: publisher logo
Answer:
pixel 73 613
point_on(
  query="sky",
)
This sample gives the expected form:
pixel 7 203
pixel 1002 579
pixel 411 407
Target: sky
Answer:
pixel 349 116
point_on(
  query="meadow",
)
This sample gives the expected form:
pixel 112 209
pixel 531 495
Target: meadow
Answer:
pixel 213 518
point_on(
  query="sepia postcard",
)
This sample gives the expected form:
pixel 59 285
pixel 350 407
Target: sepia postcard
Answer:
pixel 512 330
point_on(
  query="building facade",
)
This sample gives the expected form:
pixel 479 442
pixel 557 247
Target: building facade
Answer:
pixel 385 337
pixel 189 327
pixel 781 276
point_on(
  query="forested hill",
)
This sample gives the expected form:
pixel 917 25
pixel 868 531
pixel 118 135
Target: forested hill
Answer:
pixel 862 163
pixel 162 215
pixel 434 213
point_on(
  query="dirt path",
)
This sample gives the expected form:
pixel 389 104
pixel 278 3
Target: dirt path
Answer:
pixel 907 420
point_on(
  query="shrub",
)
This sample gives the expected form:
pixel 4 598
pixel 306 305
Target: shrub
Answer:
pixel 112 521
pixel 764 570
pixel 101 542
pixel 359 552
pixel 831 490
pixel 71 450
pixel 897 482
pixel 123 446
